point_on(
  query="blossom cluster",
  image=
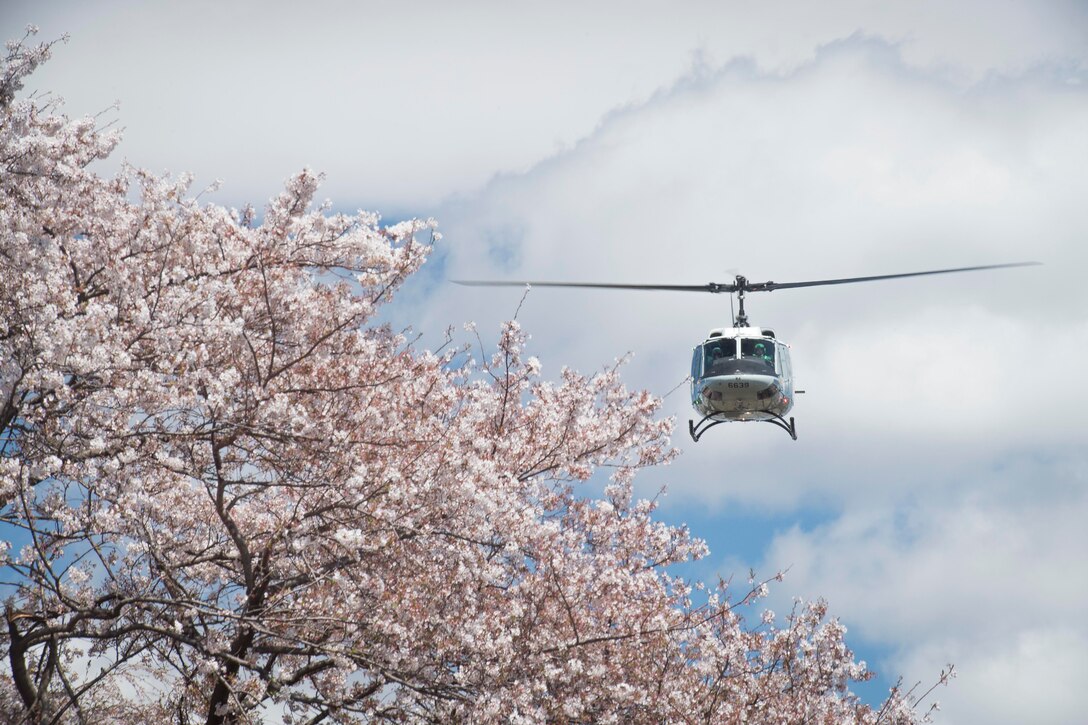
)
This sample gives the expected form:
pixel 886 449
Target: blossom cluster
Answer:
pixel 230 496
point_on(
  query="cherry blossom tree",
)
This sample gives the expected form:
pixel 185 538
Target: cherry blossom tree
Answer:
pixel 227 495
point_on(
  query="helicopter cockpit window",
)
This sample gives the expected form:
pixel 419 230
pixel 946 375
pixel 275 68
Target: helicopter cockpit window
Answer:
pixel 757 349
pixel 716 353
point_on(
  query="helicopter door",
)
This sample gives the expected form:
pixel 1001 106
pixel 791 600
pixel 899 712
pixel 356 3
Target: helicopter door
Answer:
pixel 785 368
pixel 696 368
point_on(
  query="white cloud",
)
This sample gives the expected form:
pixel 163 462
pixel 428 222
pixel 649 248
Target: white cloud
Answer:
pixel 929 568
pixel 405 104
pixel 991 579
pixel 1035 675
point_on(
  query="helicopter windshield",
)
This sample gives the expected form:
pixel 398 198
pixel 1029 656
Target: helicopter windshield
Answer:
pixel 758 349
pixel 716 355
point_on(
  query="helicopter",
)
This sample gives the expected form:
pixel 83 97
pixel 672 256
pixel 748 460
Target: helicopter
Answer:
pixel 740 373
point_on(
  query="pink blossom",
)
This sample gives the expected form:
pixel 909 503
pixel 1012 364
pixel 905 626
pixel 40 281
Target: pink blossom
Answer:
pixel 245 497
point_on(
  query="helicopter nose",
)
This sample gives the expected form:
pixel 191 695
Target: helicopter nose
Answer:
pixel 729 391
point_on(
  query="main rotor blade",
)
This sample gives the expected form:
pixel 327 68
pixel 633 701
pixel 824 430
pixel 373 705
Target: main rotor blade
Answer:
pixel 741 284
pixel 771 286
pixel 709 287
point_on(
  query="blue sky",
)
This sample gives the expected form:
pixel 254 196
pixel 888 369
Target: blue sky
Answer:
pixel 938 490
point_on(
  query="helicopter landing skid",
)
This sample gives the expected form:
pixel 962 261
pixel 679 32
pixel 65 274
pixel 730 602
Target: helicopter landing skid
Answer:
pixel 697 429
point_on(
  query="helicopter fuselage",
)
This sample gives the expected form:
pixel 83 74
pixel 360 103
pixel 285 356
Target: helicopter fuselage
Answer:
pixel 742 374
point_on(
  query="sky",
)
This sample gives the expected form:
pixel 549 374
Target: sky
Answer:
pixel 938 491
